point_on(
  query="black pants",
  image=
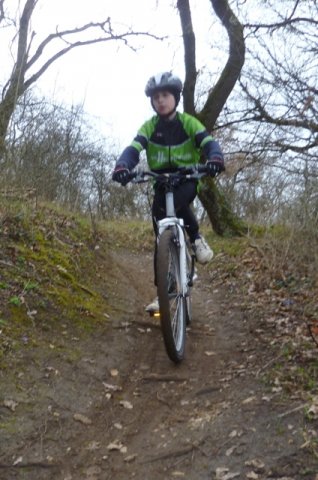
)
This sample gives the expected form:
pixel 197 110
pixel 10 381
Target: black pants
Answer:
pixel 183 196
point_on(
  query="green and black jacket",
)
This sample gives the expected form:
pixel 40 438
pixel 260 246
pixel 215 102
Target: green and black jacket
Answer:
pixel 170 144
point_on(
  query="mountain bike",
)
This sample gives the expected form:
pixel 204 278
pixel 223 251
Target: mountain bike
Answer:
pixel 175 262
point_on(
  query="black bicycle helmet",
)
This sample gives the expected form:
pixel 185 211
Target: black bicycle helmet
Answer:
pixel 164 81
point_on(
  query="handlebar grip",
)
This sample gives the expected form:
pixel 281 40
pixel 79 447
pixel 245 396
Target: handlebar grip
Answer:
pixel 202 168
pixel 132 175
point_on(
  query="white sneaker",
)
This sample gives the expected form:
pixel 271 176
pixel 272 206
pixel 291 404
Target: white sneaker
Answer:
pixel 202 250
pixel 153 306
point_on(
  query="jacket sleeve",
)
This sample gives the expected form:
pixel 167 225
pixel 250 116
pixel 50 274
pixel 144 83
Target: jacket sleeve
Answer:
pixel 130 156
pixel 204 141
pixel 212 151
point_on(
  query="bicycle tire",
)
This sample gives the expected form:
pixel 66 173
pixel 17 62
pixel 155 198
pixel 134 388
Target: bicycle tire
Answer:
pixel 172 303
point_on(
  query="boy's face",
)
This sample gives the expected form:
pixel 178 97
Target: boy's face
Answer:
pixel 163 102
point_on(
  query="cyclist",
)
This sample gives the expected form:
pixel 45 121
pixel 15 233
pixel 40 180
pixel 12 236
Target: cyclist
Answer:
pixel 172 140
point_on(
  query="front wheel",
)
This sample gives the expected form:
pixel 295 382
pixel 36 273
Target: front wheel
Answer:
pixel 172 302
pixel 190 276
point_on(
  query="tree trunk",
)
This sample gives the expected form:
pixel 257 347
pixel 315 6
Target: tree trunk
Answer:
pixel 223 220
pixel 15 85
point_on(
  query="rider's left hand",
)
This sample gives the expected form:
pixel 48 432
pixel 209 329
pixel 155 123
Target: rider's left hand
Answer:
pixel 215 166
pixel 121 175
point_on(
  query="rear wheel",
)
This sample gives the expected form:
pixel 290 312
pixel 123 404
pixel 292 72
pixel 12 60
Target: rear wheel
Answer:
pixel 172 303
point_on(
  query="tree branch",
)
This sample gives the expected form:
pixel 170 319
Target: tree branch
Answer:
pixel 70 47
pixel 231 72
pixel 2 16
pixel 17 84
pixel 279 121
pixel 89 26
pixel 189 56
pixel 284 23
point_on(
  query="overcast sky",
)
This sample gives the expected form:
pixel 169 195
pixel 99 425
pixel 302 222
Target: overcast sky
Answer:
pixel 109 78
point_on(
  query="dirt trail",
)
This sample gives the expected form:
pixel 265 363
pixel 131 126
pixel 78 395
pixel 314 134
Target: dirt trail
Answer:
pixel 115 407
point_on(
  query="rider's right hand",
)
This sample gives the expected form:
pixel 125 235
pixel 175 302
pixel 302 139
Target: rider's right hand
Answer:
pixel 121 175
pixel 214 166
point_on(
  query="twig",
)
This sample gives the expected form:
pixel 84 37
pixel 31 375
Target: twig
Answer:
pixel 29 465
pixel 163 378
pixel 162 400
pixel 300 407
pixel 177 453
pixel 206 390
pixel 273 360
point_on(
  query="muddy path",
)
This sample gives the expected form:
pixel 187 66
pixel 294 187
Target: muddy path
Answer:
pixel 113 406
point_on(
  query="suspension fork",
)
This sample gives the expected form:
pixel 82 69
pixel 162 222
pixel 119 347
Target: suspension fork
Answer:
pixel 176 224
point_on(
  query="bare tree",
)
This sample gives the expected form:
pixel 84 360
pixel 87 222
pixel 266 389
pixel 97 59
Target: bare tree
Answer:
pixel 19 80
pixel 219 212
pixel 271 114
pixel 275 115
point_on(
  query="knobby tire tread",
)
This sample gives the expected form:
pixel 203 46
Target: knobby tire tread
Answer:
pixel 165 246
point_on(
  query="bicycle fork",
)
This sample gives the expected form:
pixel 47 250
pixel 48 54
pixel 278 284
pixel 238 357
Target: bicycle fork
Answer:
pixel 177 225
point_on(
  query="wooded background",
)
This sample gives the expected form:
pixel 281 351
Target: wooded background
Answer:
pixel 261 105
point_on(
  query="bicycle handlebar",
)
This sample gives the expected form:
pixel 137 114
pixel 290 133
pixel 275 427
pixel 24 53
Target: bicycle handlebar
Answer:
pixel 196 172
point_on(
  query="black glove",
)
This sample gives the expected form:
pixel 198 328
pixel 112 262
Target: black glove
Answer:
pixel 121 175
pixel 214 166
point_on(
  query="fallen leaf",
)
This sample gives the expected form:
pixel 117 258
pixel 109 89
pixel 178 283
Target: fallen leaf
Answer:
pixel 114 372
pixel 220 472
pixel 126 404
pixel 255 463
pixel 111 387
pixel 252 476
pixel 130 458
pixel 223 473
pixel 93 445
pixel 248 400
pixel 313 409
pixel 117 445
pixel 209 353
pixel 92 471
pixel 229 451
pixel 81 418
pixel 11 404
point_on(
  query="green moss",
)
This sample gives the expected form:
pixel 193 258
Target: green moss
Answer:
pixel 134 234
pixel 232 246
pixel 51 275
pixel 10 426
